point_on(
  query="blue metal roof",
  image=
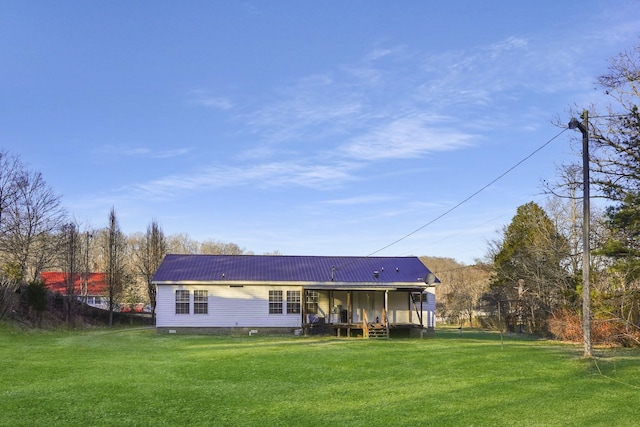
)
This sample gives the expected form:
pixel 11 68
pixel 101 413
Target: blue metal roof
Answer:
pixel 278 268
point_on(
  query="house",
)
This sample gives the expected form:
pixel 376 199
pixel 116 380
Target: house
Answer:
pixel 89 288
pixel 294 294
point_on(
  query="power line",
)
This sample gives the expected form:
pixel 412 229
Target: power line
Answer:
pixel 611 116
pixel 470 197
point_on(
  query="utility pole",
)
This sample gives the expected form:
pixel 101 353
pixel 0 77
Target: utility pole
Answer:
pixel 586 250
pixel 85 291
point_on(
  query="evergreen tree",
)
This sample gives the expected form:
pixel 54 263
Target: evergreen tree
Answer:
pixel 530 270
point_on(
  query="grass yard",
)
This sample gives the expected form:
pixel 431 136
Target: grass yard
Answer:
pixel 130 377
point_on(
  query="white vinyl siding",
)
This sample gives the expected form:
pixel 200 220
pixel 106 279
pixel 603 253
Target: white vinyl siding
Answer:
pixel 228 307
pixel 370 301
pixel 429 308
pixel 400 308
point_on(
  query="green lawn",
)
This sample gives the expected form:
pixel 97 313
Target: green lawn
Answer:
pixel 137 377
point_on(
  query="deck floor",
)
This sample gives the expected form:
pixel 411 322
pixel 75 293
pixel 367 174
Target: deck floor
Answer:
pixel 355 329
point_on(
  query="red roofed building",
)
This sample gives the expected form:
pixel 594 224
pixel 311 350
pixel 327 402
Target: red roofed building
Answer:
pixel 93 291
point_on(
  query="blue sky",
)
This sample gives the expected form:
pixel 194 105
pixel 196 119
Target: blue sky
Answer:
pixel 306 127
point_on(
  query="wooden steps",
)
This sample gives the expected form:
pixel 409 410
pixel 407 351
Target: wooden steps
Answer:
pixel 374 330
pixel 377 330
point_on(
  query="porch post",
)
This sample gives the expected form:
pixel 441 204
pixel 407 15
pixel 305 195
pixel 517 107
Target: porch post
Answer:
pixel 386 305
pixel 303 310
pixel 386 311
pixel 421 312
pixel 415 307
pixel 331 306
pixel 349 317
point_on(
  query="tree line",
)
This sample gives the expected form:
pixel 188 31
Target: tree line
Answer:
pixel 530 280
pixel 37 234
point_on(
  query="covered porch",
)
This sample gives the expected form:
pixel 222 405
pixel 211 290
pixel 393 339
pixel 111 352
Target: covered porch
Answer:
pixel 369 312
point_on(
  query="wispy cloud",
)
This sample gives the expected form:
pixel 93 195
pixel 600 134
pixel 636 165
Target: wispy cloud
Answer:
pixel 498 49
pixel 167 154
pixel 315 107
pixel 202 98
pixel 406 137
pixel 143 152
pixel 391 104
pixel 267 175
pixel 361 200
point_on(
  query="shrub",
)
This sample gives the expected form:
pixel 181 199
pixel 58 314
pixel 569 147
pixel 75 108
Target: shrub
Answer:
pixel 566 325
pixel 37 296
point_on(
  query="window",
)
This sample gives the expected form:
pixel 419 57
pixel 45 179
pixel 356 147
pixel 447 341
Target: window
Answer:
pixel 275 302
pixel 312 302
pixel 200 302
pixel 293 302
pixel 182 301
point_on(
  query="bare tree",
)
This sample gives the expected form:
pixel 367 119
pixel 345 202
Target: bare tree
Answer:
pixel 617 163
pixel 11 170
pixel 565 212
pixel 460 290
pixel 213 247
pixel 86 264
pixel 614 130
pixel 181 243
pixel 72 260
pixel 115 252
pixel 30 224
pixel 150 255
